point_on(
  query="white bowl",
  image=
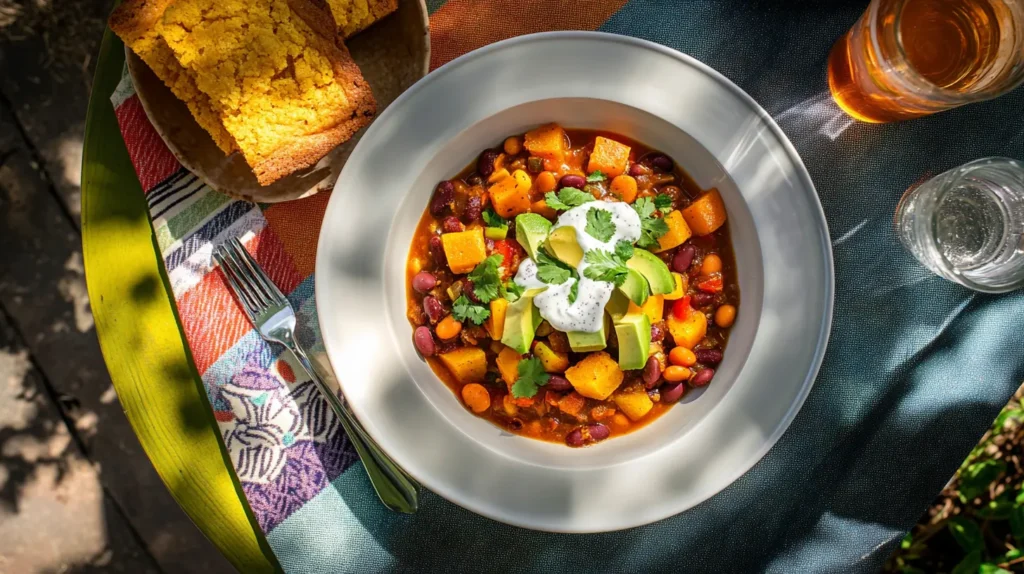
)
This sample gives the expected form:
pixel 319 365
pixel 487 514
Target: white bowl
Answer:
pixel 669 102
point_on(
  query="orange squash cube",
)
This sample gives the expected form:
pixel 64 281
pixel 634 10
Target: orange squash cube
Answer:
pixel 511 196
pixel 688 332
pixel 508 365
pixel 706 214
pixel 596 376
pixel 609 157
pixel 495 324
pixel 678 232
pixel 548 142
pixel 464 249
pixel 468 364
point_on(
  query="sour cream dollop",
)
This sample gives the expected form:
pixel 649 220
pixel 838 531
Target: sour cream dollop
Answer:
pixel 586 314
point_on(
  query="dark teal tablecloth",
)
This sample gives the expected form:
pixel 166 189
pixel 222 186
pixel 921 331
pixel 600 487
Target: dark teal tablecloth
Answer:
pixel 916 370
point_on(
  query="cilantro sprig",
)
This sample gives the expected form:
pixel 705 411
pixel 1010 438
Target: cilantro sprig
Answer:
pixel 597 176
pixel 552 271
pixel 599 224
pixel 486 278
pixel 465 310
pixel 574 292
pixel 492 219
pixel 651 227
pixel 567 198
pixel 608 266
pixel 531 377
pixel 513 291
pixel 663 202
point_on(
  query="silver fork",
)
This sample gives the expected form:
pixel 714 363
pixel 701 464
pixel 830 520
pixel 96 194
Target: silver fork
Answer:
pixel 274 318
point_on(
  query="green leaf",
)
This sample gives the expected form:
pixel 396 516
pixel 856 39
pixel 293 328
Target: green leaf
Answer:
pixel 574 292
pixel 663 202
pixel 976 478
pixel 1006 416
pixel 990 568
pixel 551 270
pixel 1017 523
pixel 596 177
pixel 492 219
pixel 1010 555
pixel 605 266
pixel 624 250
pixel 998 509
pixel 486 278
pixel 465 310
pixel 599 224
pixel 567 198
pixel 969 564
pixel 513 291
pixel 907 541
pixel 651 228
pixel 966 533
pixel 531 376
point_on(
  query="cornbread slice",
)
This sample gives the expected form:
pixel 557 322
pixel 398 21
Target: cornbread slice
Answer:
pixel 354 16
pixel 135 22
pixel 287 94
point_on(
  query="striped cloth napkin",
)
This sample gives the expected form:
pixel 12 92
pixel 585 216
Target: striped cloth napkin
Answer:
pixel 837 492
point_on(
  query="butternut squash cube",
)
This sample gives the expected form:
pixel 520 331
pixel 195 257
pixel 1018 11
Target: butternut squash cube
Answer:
pixel 495 324
pixel 464 249
pixel 690 331
pixel 467 364
pixel 596 376
pixel 706 214
pixel 682 282
pixel 635 404
pixel 511 196
pixel 508 365
pixel 552 361
pixel 654 308
pixel 548 142
pixel 678 232
pixel 609 157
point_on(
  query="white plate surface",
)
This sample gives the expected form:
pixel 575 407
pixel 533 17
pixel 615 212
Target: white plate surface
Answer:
pixel 672 103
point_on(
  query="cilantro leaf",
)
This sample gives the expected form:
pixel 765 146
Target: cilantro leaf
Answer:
pixel 531 376
pixel 599 224
pixel 551 270
pixel 574 292
pixel 651 228
pixel 466 310
pixel 567 198
pixel 492 219
pixel 605 266
pixel 596 177
pixel 663 202
pixel 486 278
pixel 513 291
pixel 624 250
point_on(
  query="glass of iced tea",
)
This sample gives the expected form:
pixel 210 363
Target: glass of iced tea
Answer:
pixel 909 58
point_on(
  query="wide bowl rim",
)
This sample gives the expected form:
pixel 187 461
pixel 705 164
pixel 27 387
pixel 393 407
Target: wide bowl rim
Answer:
pixel 822 337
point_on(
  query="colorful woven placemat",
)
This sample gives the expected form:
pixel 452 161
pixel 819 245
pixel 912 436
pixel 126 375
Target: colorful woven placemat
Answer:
pixel 916 369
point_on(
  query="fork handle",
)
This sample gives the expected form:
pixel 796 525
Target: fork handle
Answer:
pixel 396 489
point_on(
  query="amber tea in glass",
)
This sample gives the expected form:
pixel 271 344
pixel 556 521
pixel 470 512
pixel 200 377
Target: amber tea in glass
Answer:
pixel 909 58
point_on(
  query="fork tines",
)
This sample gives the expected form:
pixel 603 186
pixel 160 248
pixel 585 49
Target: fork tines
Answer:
pixel 254 289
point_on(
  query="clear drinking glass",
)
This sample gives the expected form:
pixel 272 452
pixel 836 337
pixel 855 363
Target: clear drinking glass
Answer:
pixel 909 58
pixel 967 224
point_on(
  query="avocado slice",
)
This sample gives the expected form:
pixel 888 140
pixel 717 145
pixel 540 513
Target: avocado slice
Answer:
pixel 521 321
pixel 654 270
pixel 581 342
pixel 635 287
pixel 618 305
pixel 634 334
pixel 531 231
pixel 562 244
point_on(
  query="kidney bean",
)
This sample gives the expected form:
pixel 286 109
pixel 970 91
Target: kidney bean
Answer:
pixel 451 224
pixel 652 373
pixel 572 180
pixel 559 342
pixel 558 383
pixel 657 333
pixel 636 170
pixel 683 258
pixel 423 282
pixel 437 251
pixel 444 195
pixel 474 207
pixel 468 291
pixel 574 438
pixel 599 432
pixel 702 377
pixel 672 392
pixel 701 299
pixel 433 308
pixel 485 165
pixel 424 341
pixel 708 356
pixel 659 161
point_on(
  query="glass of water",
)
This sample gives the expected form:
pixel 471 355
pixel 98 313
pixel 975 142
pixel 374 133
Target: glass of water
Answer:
pixel 967 224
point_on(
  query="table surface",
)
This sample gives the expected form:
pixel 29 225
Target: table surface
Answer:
pixel 164 399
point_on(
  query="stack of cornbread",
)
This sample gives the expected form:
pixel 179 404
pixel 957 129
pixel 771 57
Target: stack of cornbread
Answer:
pixel 270 79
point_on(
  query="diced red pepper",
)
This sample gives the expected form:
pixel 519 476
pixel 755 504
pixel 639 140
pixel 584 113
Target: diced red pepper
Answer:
pixel 511 253
pixel 681 308
pixel 712 284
